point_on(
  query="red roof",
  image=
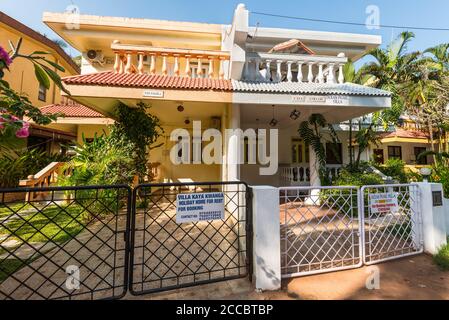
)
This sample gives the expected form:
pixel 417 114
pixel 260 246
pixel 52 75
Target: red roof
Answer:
pixel 401 133
pixel 71 109
pixel 109 78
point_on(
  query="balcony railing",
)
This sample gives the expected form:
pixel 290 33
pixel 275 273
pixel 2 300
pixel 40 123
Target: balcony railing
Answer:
pixel 182 62
pixel 294 68
pixel 296 175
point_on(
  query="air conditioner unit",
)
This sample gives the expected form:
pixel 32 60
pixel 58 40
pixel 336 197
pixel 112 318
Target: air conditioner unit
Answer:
pixel 95 56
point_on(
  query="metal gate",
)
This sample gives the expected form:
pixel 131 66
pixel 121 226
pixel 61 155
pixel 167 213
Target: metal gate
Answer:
pixel 64 243
pixel 167 255
pixel 320 230
pixel 327 229
pixel 395 230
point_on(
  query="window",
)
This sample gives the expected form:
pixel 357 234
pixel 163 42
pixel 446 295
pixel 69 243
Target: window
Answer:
pixel 297 151
pixel 395 152
pixel 42 93
pixel 378 155
pixel 417 152
pixel 334 153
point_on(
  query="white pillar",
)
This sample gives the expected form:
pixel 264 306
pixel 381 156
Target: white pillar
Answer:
pixel 266 238
pixel 433 218
pixel 233 145
pixel 315 181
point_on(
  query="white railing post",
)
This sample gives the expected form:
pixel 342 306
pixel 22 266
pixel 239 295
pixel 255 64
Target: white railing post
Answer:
pixel 310 75
pixel 267 238
pixel 268 70
pixel 300 76
pixel 289 71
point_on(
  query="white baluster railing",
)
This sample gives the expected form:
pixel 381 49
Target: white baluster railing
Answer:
pixel 309 68
pixel 295 175
pixel 146 59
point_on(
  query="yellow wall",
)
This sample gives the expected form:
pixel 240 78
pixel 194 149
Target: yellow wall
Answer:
pixel 21 76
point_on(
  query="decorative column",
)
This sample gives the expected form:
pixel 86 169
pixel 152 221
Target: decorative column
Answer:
pixel 310 75
pixel 341 76
pixel 300 76
pixel 279 71
pixel 320 73
pixel 257 70
pixel 221 72
pixel 188 70
pixel 211 68
pixel 164 65
pixel 331 75
pixel 117 63
pixel 129 64
pixel 176 66
pixel 199 70
pixel 289 71
pixel 140 67
pixel 153 64
pixel 268 70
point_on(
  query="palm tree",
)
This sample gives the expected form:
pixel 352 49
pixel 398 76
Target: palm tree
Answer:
pixel 393 69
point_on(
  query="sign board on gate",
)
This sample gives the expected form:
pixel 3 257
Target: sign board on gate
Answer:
pixel 193 207
pixel 384 202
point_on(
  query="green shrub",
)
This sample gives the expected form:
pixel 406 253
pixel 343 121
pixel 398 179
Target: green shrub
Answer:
pixel 441 259
pixel 440 174
pixel 349 177
pixel 19 165
pixel 394 168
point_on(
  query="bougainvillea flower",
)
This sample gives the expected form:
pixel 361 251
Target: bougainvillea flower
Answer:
pixel 5 56
pixel 23 133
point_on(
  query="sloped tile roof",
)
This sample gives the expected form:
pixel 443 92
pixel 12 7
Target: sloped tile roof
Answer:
pixel 308 88
pixel 149 81
pixel 71 109
pixel 401 133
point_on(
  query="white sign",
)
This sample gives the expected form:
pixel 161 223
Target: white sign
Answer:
pixel 193 207
pixel 153 93
pixel 321 100
pixel 384 202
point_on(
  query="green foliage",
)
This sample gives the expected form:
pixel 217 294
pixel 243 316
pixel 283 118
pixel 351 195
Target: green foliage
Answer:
pixel 394 168
pixel 104 161
pixel 19 165
pixel 441 259
pixel 311 132
pixel 349 177
pixel 440 174
pixel 137 128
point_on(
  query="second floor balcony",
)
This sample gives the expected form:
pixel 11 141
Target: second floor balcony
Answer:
pixel 169 61
pixel 279 67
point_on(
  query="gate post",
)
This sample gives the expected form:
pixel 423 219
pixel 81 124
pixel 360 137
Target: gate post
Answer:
pixel 432 210
pixel 267 238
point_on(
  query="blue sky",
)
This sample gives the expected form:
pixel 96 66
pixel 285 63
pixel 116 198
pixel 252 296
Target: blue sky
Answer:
pixel 431 13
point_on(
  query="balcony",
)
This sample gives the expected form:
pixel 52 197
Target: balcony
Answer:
pixel 299 175
pixel 134 59
pixel 268 67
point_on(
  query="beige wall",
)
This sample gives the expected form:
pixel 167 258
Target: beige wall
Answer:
pixel 21 76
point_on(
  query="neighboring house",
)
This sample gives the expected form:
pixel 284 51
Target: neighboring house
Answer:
pixel 21 78
pixel 227 76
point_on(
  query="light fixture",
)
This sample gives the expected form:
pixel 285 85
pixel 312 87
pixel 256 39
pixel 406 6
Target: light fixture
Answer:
pixel 273 121
pixel 295 115
pixel 426 173
pixel 187 121
pixel 180 108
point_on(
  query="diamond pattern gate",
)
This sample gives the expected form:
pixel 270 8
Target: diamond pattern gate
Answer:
pixel 167 255
pixel 320 230
pixel 394 229
pixel 67 243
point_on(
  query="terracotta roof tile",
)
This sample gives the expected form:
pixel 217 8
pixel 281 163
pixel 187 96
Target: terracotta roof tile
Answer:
pixel 148 81
pixel 401 133
pixel 71 109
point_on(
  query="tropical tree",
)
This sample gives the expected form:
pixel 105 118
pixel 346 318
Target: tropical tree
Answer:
pixel 392 69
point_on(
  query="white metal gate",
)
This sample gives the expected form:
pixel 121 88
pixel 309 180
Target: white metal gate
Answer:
pixel 395 229
pixel 326 229
pixel 320 230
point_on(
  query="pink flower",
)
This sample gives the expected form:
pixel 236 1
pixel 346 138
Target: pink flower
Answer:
pixel 5 56
pixel 22 133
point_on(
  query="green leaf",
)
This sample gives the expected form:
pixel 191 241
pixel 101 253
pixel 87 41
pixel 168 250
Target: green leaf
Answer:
pixel 56 79
pixel 55 65
pixel 41 76
pixel 39 52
